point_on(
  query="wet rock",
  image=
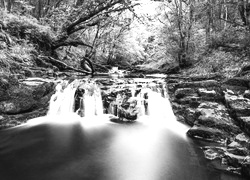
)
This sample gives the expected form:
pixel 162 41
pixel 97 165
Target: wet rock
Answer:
pixel 185 113
pixel 172 81
pixel 193 101
pixel 238 104
pixel 20 101
pixel 234 144
pixel 180 118
pixel 210 95
pixel 246 94
pixel 190 116
pixel 245 170
pixel 16 106
pixel 43 90
pixel 182 92
pixel 209 134
pixel 234 160
pixel 13 120
pixel 211 76
pixel 218 112
pixel 240 151
pixel 245 124
pixel 213 153
pixel 235 89
pixel 199 84
pixel 215 115
pixel 243 139
pixel 6 82
pixel 238 81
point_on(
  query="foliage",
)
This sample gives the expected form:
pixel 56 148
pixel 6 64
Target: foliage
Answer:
pixel 216 61
pixel 29 29
pixel 17 58
pixel 125 33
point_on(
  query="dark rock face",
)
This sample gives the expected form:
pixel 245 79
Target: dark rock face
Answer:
pixel 238 81
pixel 21 101
pixel 217 112
pixel 209 134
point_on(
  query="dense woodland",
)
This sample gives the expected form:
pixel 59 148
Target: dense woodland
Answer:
pixel 191 36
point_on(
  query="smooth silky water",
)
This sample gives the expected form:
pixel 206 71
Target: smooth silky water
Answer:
pixel 65 146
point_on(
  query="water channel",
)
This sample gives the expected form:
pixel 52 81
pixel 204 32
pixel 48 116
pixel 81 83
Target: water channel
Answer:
pixel 65 146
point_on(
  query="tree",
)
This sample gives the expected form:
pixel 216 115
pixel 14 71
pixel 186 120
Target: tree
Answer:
pixel 180 18
pixel 89 14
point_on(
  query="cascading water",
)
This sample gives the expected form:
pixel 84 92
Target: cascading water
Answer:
pixel 85 98
pixel 80 97
pixel 62 101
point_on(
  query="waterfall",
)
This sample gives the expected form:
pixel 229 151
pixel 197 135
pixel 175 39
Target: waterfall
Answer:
pixel 91 101
pixel 125 101
pixel 63 102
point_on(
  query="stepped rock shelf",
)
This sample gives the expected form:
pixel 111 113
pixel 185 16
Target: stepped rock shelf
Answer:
pixel 31 98
pixel 218 112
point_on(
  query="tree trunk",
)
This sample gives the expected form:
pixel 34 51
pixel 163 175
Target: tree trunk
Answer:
pixel 209 23
pixel 3 4
pixel 10 4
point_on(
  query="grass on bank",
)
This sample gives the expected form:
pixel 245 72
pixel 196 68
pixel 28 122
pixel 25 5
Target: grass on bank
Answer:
pixel 226 63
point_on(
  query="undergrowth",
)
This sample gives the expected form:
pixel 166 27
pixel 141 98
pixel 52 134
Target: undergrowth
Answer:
pixel 22 39
pixel 226 63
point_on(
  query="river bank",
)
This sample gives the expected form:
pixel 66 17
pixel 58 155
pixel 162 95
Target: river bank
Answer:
pixel 217 111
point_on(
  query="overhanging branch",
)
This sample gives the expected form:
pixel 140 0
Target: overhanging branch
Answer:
pixel 71 43
pixel 101 8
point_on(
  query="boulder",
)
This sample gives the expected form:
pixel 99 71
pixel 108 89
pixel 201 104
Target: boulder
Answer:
pixel 20 101
pixel 212 153
pixel 192 101
pixel 208 134
pixel 8 121
pixel 245 170
pixel 185 114
pixel 234 89
pixel 182 92
pixel 43 90
pixel 238 81
pixel 234 160
pixel 210 95
pixel 198 84
pixel 16 106
pixel 6 82
pixel 246 94
pixel 239 151
pixel 243 139
pixel 238 104
pixel 215 115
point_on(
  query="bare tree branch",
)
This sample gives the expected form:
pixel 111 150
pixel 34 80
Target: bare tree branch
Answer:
pixel 70 43
pixel 101 8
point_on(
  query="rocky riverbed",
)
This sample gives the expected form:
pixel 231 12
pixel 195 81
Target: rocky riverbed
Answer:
pixel 218 113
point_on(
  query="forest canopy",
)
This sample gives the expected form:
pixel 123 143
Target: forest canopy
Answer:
pixel 163 35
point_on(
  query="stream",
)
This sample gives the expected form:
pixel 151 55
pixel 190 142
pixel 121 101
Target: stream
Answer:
pixel 65 146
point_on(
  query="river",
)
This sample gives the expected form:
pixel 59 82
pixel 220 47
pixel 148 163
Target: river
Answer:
pixel 67 147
